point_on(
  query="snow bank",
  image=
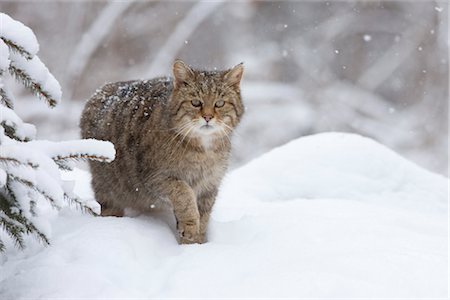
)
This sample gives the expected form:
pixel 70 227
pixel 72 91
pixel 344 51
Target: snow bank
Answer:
pixel 331 215
pixel 334 165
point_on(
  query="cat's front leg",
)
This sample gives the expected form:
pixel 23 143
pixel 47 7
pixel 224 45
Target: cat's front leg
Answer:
pixel 184 206
pixel 205 204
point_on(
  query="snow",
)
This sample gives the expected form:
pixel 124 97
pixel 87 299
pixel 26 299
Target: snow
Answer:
pixel 39 73
pixel 18 33
pixel 367 37
pixel 330 215
pixel 76 148
pixel 2 178
pixel 4 56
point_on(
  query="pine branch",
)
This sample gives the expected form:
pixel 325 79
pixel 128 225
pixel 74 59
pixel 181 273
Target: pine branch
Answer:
pixel 16 231
pixel 32 186
pixel 14 127
pixel 16 162
pixel 35 87
pixel 10 222
pixel 4 99
pixel 15 223
pixel 13 231
pixel 10 131
pixel 41 237
pixel 79 204
pixel 33 207
pixel 63 165
pixel 81 156
pixel 16 48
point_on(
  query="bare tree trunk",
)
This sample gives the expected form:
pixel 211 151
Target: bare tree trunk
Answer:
pixel 90 42
pixel 198 13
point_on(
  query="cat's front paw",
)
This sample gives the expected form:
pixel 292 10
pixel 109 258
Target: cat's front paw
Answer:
pixel 189 232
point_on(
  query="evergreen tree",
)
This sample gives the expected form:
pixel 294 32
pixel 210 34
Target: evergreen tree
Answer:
pixel 30 169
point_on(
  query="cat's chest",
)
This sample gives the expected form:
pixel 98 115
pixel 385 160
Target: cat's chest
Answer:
pixel 202 170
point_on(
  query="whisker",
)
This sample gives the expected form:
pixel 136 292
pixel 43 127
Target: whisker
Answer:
pixel 180 130
pixel 231 130
pixel 183 130
pixel 189 139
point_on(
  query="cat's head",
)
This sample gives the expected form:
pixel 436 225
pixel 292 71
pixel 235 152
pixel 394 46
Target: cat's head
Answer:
pixel 205 104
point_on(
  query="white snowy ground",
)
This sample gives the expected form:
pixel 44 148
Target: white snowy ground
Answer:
pixel 330 215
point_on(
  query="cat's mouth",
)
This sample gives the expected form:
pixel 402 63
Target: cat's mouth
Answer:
pixel 207 129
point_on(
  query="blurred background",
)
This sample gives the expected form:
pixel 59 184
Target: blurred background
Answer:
pixel 376 68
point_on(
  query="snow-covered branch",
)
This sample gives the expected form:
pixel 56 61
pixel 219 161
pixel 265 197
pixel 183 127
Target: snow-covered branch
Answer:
pixel 18 37
pixel 30 170
pixel 78 149
pixel 15 127
pixel 35 75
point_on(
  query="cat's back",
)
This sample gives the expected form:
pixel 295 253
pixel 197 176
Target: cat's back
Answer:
pixel 117 104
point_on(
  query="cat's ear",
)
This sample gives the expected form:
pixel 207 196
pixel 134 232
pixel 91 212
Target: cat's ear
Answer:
pixel 233 76
pixel 181 72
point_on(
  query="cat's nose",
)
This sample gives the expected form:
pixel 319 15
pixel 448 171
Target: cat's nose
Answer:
pixel 207 118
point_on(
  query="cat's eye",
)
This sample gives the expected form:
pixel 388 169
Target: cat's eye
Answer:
pixel 196 103
pixel 220 103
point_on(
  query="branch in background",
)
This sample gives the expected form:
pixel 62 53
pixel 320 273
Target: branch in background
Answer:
pixel 91 41
pixel 317 67
pixel 383 68
pixel 166 54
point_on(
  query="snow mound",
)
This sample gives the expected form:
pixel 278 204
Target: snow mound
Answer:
pixel 334 165
pixel 331 215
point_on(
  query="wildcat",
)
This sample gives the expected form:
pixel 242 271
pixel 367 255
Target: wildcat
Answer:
pixel 172 140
